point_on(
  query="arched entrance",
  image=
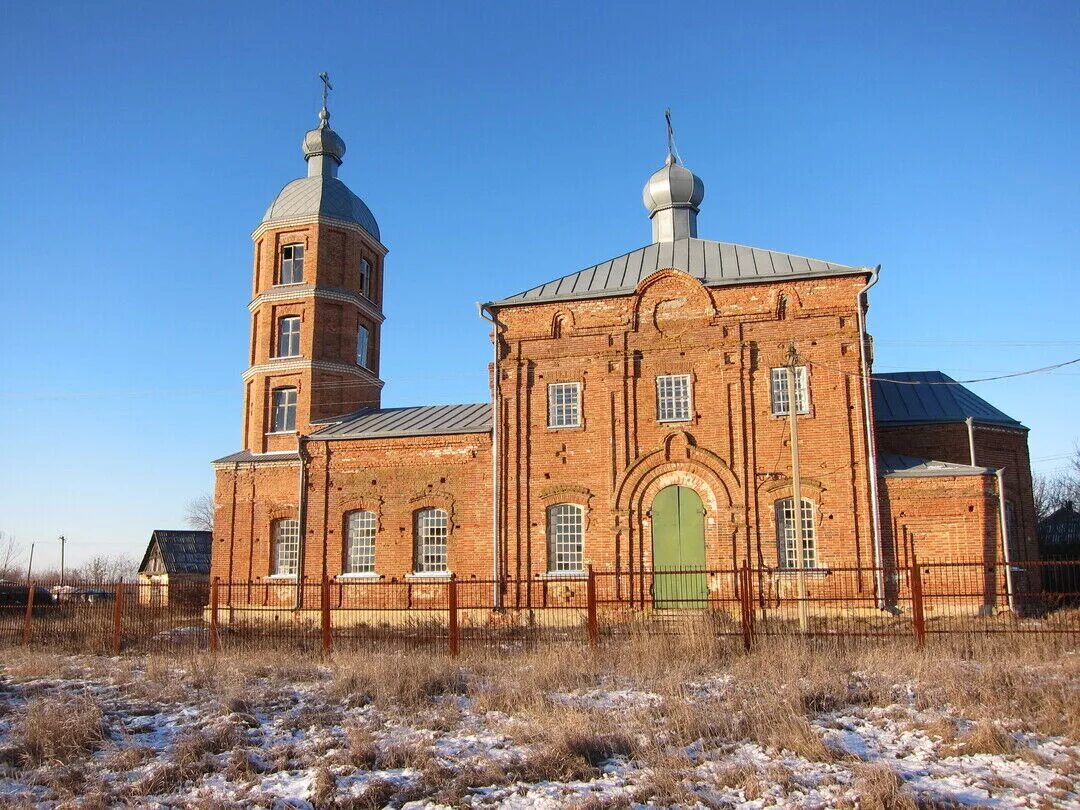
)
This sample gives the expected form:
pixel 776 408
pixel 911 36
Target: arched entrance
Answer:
pixel 678 549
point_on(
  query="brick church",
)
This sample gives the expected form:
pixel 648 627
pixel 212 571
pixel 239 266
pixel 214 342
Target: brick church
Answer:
pixel 639 418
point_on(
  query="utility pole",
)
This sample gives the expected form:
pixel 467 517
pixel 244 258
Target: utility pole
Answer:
pixel 62 542
pixel 30 565
pixel 796 487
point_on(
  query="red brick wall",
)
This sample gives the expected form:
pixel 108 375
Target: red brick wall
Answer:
pixel 393 478
pixel 995 447
pixel 733 451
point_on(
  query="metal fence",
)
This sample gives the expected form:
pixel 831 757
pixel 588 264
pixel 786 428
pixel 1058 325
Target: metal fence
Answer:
pixel 745 603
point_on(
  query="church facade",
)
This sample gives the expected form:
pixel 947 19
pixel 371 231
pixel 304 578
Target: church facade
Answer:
pixel 639 420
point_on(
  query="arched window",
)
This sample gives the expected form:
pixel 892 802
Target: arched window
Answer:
pixel 785 533
pixel 431 525
pixel 566 538
pixel 283 413
pixel 360 542
pixel 285 551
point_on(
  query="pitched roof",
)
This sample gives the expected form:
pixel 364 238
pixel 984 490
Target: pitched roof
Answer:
pixel 918 397
pixel 246 456
pixel 422 420
pixel 714 263
pixel 182 551
pixel 893 465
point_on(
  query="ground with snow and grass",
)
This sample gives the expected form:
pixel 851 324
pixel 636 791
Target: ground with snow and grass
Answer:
pixel 650 722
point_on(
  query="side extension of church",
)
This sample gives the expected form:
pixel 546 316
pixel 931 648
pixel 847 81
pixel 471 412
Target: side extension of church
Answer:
pixel 638 420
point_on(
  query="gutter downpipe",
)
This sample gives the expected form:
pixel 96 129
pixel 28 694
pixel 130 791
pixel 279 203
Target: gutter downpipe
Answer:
pixel 971 438
pixel 496 592
pixel 1005 537
pixel 871 444
pixel 301 520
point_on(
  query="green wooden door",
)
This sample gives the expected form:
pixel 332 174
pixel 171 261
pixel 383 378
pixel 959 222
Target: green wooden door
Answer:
pixel 678 530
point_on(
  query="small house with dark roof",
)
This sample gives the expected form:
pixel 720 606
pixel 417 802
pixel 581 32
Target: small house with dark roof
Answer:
pixel 175 567
pixel 639 420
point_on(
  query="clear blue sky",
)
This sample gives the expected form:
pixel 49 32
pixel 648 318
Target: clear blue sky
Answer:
pixel 499 145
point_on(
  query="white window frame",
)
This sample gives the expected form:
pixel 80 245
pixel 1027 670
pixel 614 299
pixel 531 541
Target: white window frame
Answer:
pixel 295 264
pixel 566 538
pixel 292 336
pixel 563 412
pixel 365 278
pixel 778 392
pixel 363 346
pixel 671 405
pixel 361 527
pixel 432 531
pixel 287 409
pixel 285 560
pixel 783 512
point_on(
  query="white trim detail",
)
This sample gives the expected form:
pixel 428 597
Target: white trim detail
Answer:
pixel 285 292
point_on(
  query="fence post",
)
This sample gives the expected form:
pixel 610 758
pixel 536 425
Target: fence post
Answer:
pixel 452 608
pixel 746 601
pixel 214 615
pixel 592 626
pixel 29 617
pixel 327 631
pixel 918 614
pixel 118 616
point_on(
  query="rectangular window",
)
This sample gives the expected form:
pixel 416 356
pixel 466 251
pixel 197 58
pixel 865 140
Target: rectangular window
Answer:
pixel 292 265
pixel 284 410
pixel 365 277
pixel 673 398
pixel 785 533
pixel 286 547
pixel 564 405
pixel 362 346
pixel 565 538
pixel 431 541
pixel 780 391
pixel 360 539
pixel 288 344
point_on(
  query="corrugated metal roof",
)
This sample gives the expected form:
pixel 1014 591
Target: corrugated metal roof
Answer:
pixel 246 456
pixel 714 263
pixel 916 397
pixel 892 465
pixel 182 551
pixel 422 420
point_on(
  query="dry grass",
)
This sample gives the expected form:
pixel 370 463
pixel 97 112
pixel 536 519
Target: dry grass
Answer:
pixel 879 787
pixel 58 731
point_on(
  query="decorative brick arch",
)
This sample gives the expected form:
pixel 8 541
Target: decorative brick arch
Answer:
pixel 673 302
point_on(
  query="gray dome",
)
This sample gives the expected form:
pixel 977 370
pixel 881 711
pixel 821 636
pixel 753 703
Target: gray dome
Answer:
pixel 673 185
pixel 321 195
pixel 323 140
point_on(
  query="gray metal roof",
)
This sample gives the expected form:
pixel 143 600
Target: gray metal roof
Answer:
pixel 714 263
pixel 892 465
pixel 182 551
pixel 422 420
pixel 321 195
pixel 918 397
pixel 246 456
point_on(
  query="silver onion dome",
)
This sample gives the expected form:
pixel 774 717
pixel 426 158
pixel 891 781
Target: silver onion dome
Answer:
pixel 672 196
pixel 323 141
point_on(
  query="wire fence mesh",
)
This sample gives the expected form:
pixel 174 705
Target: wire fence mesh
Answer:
pixel 925 601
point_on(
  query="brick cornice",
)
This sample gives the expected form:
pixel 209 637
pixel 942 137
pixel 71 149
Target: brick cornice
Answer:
pixel 292 291
pixel 286 224
pixel 286 365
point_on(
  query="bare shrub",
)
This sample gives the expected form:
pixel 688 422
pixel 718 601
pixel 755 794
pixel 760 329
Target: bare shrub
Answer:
pixel 879 787
pixel 58 730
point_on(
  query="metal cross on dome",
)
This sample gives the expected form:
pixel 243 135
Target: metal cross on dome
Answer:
pixel 327 87
pixel 672 152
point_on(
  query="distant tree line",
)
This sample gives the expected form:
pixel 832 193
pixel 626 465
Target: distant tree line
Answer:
pixel 1052 490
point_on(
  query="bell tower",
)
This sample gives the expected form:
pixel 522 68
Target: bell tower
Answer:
pixel 316 307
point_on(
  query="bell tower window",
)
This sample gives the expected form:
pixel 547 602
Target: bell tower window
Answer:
pixel 283 416
pixel 289 336
pixel 365 278
pixel 362 346
pixel 291 270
